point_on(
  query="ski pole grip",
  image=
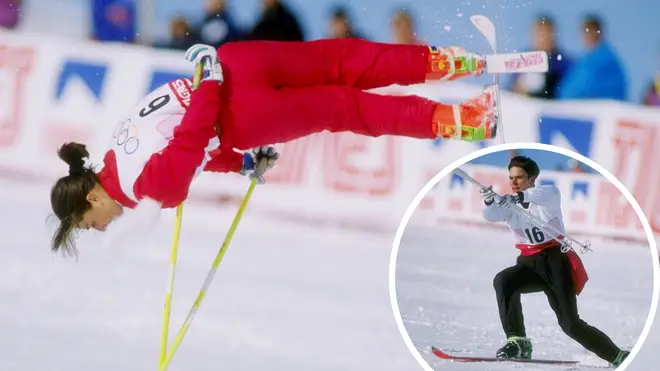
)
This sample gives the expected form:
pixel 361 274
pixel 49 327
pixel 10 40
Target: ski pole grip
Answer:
pixel 259 171
pixel 197 77
pixel 261 165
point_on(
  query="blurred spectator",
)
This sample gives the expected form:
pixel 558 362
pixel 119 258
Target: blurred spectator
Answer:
pixel 218 26
pixel 114 20
pixel 340 25
pixel 652 93
pixel 277 23
pixel 575 166
pixel 544 37
pixel 599 73
pixel 10 13
pixel 182 35
pixel 403 28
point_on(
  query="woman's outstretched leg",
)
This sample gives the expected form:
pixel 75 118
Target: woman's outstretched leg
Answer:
pixel 292 113
pixel 352 62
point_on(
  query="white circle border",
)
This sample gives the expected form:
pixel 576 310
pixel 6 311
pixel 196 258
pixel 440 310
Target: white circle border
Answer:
pixel 513 146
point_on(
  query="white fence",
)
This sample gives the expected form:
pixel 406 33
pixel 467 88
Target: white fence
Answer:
pixel 54 90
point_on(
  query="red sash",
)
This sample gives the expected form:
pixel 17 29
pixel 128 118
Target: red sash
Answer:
pixel 578 271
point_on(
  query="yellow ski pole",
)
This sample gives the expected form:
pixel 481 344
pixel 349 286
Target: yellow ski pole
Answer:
pixel 209 277
pixel 170 285
pixel 197 77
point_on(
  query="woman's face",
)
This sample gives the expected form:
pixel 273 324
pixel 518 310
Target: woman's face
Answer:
pixel 103 211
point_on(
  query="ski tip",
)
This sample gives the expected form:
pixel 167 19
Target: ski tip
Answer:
pixel 438 353
pixel 483 23
pixel 478 19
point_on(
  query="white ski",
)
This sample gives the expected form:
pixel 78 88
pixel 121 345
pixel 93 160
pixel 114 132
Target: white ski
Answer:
pixel 523 62
pixel 487 29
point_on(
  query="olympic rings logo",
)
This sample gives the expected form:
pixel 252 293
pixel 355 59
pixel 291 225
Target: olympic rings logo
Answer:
pixel 126 137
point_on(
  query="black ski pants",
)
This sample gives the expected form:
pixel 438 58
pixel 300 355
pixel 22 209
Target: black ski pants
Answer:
pixel 549 272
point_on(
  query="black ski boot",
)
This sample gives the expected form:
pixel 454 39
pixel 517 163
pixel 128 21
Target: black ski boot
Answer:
pixel 516 348
pixel 623 354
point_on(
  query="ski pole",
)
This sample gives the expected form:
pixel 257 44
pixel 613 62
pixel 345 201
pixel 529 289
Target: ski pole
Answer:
pixel 209 277
pixel 197 77
pixel 566 242
pixel 170 284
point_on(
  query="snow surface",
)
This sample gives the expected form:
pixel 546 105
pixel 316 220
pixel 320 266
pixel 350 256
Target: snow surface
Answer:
pixel 287 297
pixel 446 299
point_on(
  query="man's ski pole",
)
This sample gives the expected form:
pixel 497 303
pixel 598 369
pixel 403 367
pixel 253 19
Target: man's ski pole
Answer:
pixel 566 242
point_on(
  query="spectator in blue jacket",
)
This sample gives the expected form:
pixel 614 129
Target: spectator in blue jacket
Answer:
pixel 599 74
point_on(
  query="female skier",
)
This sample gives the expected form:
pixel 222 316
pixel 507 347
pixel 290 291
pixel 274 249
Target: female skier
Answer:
pixel 260 93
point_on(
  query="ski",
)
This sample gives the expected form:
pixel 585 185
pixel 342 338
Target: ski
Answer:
pixel 440 354
pixel 523 62
pixel 487 29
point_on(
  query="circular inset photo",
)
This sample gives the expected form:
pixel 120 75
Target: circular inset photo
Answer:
pixel 524 256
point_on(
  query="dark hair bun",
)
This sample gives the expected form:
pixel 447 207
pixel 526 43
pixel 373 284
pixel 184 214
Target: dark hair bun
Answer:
pixel 74 155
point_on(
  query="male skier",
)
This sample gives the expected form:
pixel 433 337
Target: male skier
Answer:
pixel 541 266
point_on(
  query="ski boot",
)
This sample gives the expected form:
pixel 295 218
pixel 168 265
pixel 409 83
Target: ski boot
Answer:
pixel 454 62
pixel 474 120
pixel 623 354
pixel 516 348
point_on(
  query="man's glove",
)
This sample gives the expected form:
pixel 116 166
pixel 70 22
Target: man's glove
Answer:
pixel 208 57
pixel 488 195
pixel 508 200
pixel 266 156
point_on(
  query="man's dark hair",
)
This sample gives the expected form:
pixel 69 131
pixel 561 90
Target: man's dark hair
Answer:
pixel 593 24
pixel 340 13
pixel 527 164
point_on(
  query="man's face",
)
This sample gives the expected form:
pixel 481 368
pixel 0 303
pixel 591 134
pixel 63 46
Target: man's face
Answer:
pixel 269 3
pixel 544 36
pixel 590 35
pixel 518 180
pixel 338 28
pixel 215 6
pixel 401 27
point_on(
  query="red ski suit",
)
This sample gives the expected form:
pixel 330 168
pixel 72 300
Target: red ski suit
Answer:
pixel 274 92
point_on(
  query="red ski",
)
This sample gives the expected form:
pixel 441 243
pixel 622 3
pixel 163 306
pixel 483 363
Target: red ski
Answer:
pixel 440 354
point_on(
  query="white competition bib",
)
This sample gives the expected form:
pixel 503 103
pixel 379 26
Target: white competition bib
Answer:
pixel 525 232
pixel 147 130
